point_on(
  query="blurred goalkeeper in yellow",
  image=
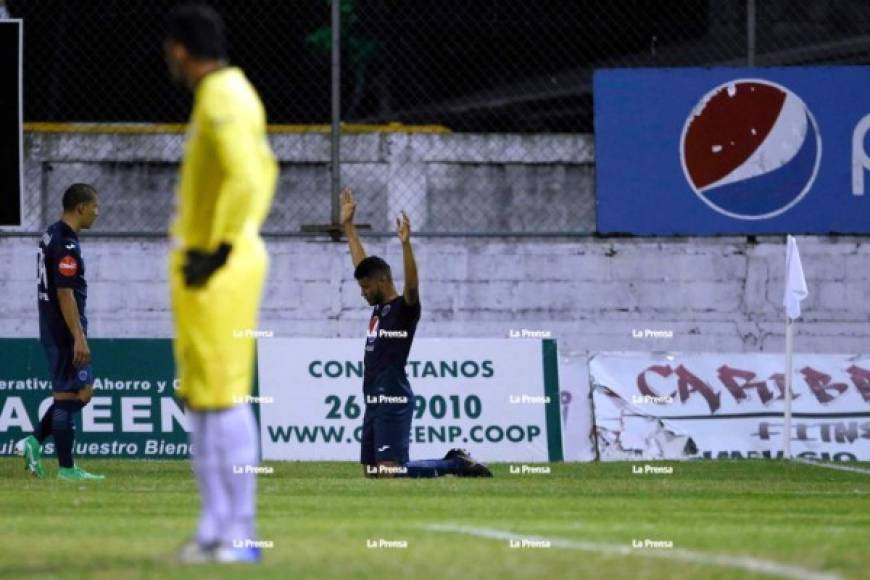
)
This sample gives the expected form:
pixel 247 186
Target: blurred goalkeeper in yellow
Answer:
pixel 217 269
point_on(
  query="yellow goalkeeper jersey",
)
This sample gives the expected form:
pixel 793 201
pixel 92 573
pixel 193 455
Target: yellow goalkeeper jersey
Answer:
pixel 228 173
pixel 227 182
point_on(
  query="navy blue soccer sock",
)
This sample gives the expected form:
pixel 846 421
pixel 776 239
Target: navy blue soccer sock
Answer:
pixel 43 430
pixel 63 430
pixel 432 467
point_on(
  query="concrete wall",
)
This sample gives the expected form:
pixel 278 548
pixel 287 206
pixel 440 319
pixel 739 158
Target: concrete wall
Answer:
pixel 447 182
pixel 715 294
pixel 719 294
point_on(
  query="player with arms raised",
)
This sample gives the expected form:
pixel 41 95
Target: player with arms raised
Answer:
pixel 386 433
pixel 217 270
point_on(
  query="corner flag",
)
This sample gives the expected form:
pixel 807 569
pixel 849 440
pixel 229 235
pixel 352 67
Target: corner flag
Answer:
pixel 795 291
pixel 795 284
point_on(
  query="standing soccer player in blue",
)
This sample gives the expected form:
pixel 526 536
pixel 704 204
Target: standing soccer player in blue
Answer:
pixel 61 295
pixel 386 433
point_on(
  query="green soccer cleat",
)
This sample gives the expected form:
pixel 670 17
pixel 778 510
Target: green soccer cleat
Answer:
pixel 76 473
pixel 30 448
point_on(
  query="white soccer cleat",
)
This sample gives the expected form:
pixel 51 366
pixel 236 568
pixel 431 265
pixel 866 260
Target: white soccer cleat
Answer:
pixel 231 555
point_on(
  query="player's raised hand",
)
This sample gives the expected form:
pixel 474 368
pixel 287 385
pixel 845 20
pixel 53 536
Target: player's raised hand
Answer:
pixel 348 206
pixel 403 227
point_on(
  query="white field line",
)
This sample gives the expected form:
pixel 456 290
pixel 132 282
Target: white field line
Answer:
pixel 678 554
pixel 832 466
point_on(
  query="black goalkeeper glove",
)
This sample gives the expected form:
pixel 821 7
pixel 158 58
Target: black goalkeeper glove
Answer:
pixel 200 265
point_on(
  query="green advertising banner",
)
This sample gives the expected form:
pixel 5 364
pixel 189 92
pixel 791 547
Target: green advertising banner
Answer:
pixel 133 412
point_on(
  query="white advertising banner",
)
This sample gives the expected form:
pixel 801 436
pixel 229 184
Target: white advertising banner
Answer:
pixel 729 406
pixel 578 436
pixel 497 398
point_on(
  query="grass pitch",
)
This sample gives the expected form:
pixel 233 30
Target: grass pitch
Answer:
pixel 321 516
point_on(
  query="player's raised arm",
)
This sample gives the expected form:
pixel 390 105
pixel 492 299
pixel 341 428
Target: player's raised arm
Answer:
pixel 412 284
pixel 348 208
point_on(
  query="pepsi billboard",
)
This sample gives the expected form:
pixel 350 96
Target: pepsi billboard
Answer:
pixel 732 150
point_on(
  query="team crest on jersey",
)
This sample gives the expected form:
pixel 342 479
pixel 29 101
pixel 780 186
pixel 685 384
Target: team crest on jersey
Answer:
pixel 83 375
pixel 68 266
pixel 372 332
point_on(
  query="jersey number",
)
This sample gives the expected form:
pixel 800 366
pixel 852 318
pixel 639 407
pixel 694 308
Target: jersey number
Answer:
pixel 41 276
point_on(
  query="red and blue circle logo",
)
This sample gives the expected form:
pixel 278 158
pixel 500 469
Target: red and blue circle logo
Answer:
pixel 751 149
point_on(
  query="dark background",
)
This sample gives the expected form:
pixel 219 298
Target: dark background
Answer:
pixel 102 60
pixel 10 127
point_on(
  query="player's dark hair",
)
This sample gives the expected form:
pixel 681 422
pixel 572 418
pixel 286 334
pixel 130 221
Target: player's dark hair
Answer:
pixel 200 29
pixel 372 267
pixel 78 193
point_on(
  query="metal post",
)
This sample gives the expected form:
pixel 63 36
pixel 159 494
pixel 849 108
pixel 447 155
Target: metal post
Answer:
pixel 333 229
pixel 335 159
pixel 750 32
pixel 786 428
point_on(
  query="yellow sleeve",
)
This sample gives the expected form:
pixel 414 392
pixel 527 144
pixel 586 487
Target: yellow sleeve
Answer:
pixel 233 136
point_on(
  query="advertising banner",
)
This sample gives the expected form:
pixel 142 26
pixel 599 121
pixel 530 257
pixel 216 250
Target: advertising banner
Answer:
pixel 729 406
pixel 497 398
pixel 578 435
pixel 133 412
pixel 732 150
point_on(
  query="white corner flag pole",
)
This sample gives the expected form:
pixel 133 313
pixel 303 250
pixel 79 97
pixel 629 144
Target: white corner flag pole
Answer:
pixel 795 291
pixel 786 428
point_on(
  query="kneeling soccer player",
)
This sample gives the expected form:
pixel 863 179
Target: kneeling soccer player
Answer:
pixel 389 400
pixel 63 328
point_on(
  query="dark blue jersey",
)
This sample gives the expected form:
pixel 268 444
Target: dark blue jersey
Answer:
pixel 389 337
pixel 59 264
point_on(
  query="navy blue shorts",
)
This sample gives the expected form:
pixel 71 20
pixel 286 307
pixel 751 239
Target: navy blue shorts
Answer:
pixel 386 433
pixel 65 377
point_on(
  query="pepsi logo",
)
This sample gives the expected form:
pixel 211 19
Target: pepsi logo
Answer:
pixel 751 149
